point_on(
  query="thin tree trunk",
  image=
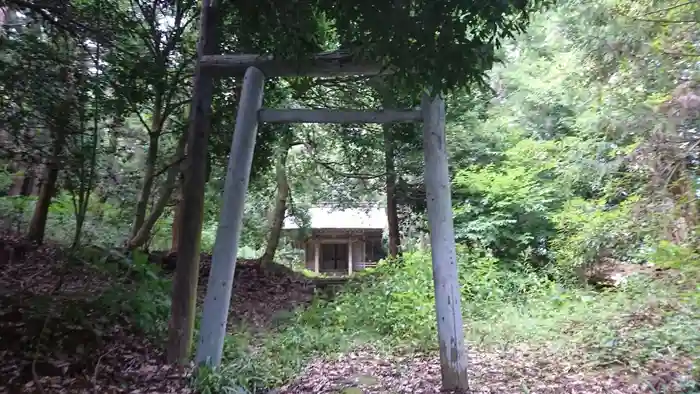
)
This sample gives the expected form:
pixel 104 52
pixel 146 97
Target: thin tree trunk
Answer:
pixel 389 101
pixel 22 184
pixel 18 186
pixel 61 116
pixel 28 183
pixel 37 225
pixel 184 298
pixel 150 170
pixel 88 176
pixel 113 163
pixel 280 206
pixel 391 206
pixel 85 189
pixel 169 186
pixel 113 178
pixel 177 218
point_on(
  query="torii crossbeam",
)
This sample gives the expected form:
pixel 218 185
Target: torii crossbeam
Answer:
pixel 255 69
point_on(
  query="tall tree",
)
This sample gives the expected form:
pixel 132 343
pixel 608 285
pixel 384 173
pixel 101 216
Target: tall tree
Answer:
pixel 391 199
pixel 279 210
pixel 43 70
pixel 150 79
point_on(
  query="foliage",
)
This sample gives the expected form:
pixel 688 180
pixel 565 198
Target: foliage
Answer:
pixel 397 309
pixel 507 207
pixel 503 307
pixel 669 255
pixel 511 200
pixel 105 224
pixel 589 230
pixel 575 166
pixel 419 34
pixel 143 296
pixel 581 148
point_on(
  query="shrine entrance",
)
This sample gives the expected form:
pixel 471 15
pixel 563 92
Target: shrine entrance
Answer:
pixel 255 68
pixel 250 114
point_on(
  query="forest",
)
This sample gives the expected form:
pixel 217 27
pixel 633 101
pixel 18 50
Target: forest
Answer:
pixel 571 131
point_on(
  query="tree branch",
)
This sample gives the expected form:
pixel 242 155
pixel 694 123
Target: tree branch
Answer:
pixel 670 8
pixel 330 168
pixel 167 167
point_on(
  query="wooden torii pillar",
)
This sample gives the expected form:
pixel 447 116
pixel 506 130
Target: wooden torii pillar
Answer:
pixel 250 112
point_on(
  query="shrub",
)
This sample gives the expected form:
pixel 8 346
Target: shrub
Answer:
pixel 669 255
pixel 504 210
pixel 588 230
pixel 139 293
pixel 397 300
pixel 392 305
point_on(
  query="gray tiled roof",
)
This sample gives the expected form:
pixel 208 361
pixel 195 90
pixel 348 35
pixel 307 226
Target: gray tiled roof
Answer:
pixel 326 217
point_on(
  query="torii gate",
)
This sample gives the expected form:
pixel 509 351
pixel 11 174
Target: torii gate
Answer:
pixel 250 113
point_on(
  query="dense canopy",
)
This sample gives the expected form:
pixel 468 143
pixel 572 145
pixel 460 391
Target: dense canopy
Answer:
pixel 441 44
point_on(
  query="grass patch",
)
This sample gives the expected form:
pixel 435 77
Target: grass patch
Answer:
pixel 392 308
pixel 642 321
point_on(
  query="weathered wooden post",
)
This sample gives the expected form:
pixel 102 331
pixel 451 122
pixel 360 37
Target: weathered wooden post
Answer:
pixel 223 265
pixel 184 299
pixel 453 357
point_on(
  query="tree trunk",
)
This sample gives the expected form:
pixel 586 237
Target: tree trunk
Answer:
pixel 149 171
pixel 391 206
pixel 61 115
pixel 177 218
pixel 28 183
pixel 280 209
pixel 389 101
pixel 112 169
pixel 22 185
pixel 18 186
pixel 184 298
pixel 37 225
pixel 86 188
pixel 169 186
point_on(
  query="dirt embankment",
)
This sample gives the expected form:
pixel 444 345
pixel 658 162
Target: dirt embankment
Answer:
pixel 56 337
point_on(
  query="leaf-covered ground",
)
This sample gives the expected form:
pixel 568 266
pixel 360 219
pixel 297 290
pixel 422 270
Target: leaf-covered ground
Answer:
pixel 260 295
pixel 514 371
pixel 644 341
pixel 63 328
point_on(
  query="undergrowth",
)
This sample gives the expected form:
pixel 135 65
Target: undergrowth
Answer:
pixel 142 295
pixel 391 308
pixel 135 291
